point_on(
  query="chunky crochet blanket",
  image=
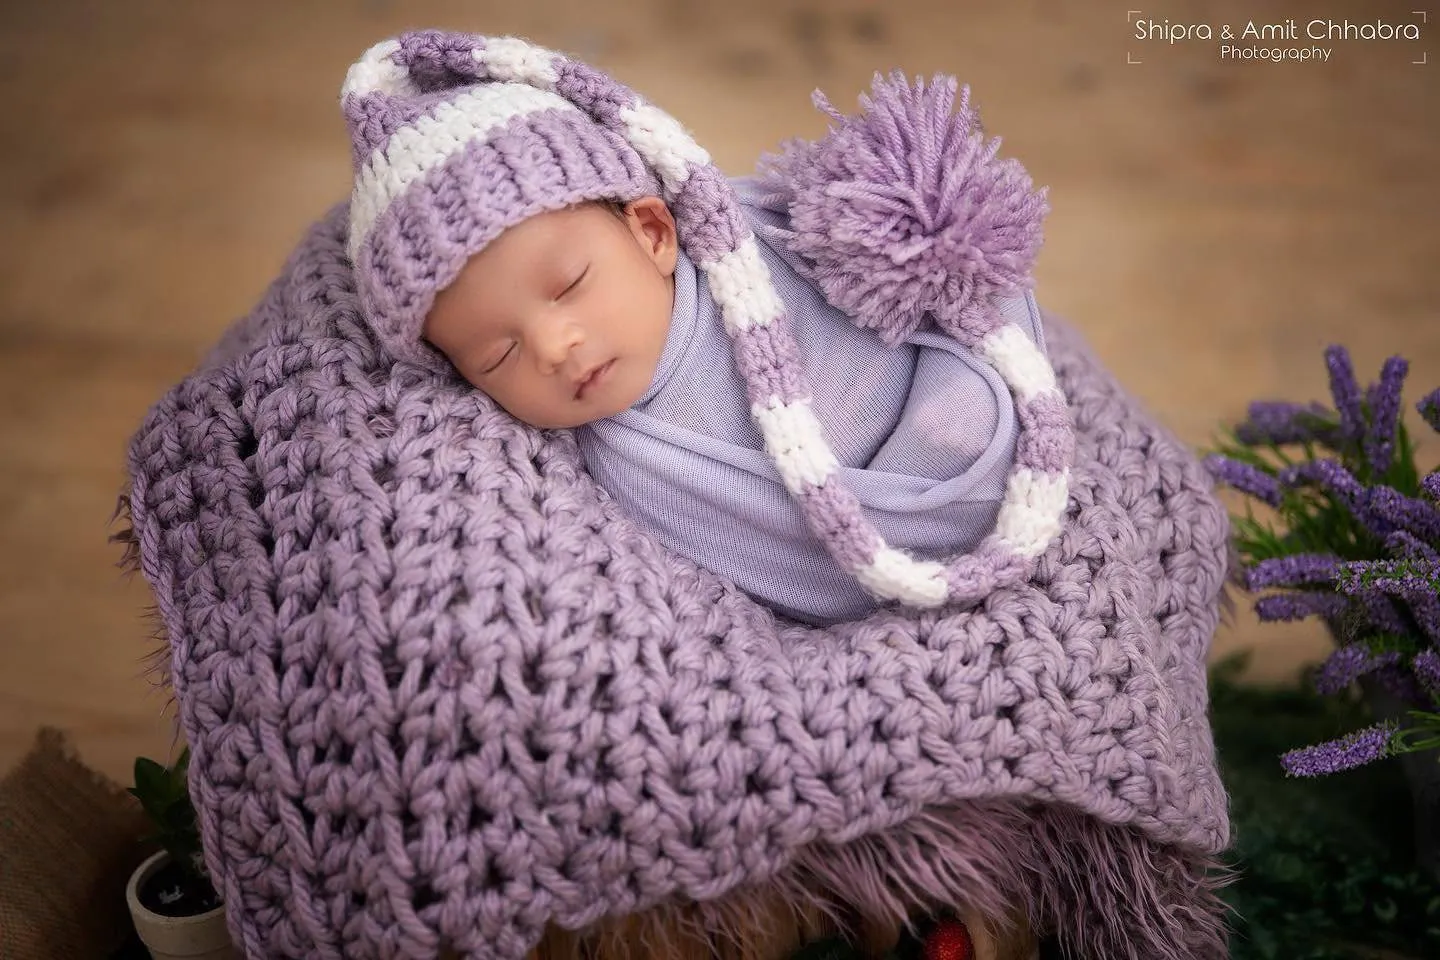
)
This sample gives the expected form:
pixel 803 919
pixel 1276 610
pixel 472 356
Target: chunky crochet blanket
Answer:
pixel 439 691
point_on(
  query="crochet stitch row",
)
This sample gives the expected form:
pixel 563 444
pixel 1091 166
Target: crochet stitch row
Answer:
pixel 531 79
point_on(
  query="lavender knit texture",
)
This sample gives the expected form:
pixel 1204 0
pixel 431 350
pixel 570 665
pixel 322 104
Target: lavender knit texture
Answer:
pixel 458 137
pixel 439 690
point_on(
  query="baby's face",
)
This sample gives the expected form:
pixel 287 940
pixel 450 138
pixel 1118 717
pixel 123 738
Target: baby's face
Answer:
pixel 563 317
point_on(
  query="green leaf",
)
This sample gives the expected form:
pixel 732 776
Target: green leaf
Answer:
pixel 150 779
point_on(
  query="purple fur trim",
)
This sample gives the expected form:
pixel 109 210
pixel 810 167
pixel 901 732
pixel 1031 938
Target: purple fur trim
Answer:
pixel 1046 441
pixel 904 210
pixel 1104 891
pixel 769 362
pixel 1107 891
pixel 835 516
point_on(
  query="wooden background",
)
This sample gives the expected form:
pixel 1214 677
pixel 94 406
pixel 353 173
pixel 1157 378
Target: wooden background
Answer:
pixel 1214 225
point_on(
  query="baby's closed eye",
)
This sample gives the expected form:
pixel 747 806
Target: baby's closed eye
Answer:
pixel 508 348
pixel 574 284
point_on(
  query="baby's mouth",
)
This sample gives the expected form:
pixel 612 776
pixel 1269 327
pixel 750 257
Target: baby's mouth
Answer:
pixel 592 379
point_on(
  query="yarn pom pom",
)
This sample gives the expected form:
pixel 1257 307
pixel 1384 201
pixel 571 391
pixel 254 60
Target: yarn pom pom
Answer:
pixel 904 210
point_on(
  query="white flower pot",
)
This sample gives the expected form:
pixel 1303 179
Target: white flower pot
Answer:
pixel 201 937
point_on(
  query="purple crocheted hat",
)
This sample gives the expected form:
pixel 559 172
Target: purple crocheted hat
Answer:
pixel 453 142
pixel 457 137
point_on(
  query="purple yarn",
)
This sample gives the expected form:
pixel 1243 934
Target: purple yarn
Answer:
pixel 905 213
pixel 438 689
pixel 529 131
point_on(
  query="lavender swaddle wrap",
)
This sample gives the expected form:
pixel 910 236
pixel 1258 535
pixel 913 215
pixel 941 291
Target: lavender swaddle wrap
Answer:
pixel 924 431
pixel 440 692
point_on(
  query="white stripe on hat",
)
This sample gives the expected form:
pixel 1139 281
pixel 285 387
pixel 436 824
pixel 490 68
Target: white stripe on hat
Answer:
pixel 898 576
pixel 1035 502
pixel 1018 361
pixel 797 443
pixel 740 283
pixel 417 148
pixel 663 143
pixel 515 60
pixel 377 72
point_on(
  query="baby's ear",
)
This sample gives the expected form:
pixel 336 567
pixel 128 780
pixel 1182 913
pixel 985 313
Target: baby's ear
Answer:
pixel 654 226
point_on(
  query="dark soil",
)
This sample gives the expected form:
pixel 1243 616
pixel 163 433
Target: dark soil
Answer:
pixel 171 892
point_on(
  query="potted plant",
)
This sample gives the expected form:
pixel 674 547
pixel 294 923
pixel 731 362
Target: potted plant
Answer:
pixel 176 910
pixel 1351 535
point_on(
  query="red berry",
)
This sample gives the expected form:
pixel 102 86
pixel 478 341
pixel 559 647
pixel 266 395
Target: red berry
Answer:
pixel 949 940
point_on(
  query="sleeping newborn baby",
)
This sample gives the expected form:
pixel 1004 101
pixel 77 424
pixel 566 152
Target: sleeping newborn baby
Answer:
pixel 533 251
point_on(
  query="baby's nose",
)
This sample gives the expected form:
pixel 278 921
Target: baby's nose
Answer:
pixel 555 340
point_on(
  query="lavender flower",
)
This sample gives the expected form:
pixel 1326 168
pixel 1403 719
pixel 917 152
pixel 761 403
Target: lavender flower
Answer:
pixel 1402 685
pixel 1296 570
pixel 1281 423
pixel 1397 577
pixel 1431 484
pixel 1426 666
pixel 1405 513
pixel 1244 477
pixel 1348 664
pixel 1298 606
pixel 1417 582
pixel 1407 547
pixel 1380 613
pixel 1355 750
pixel 1429 407
pixel 1345 391
pixel 1425 608
pixel 1385 415
pixel 1332 477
